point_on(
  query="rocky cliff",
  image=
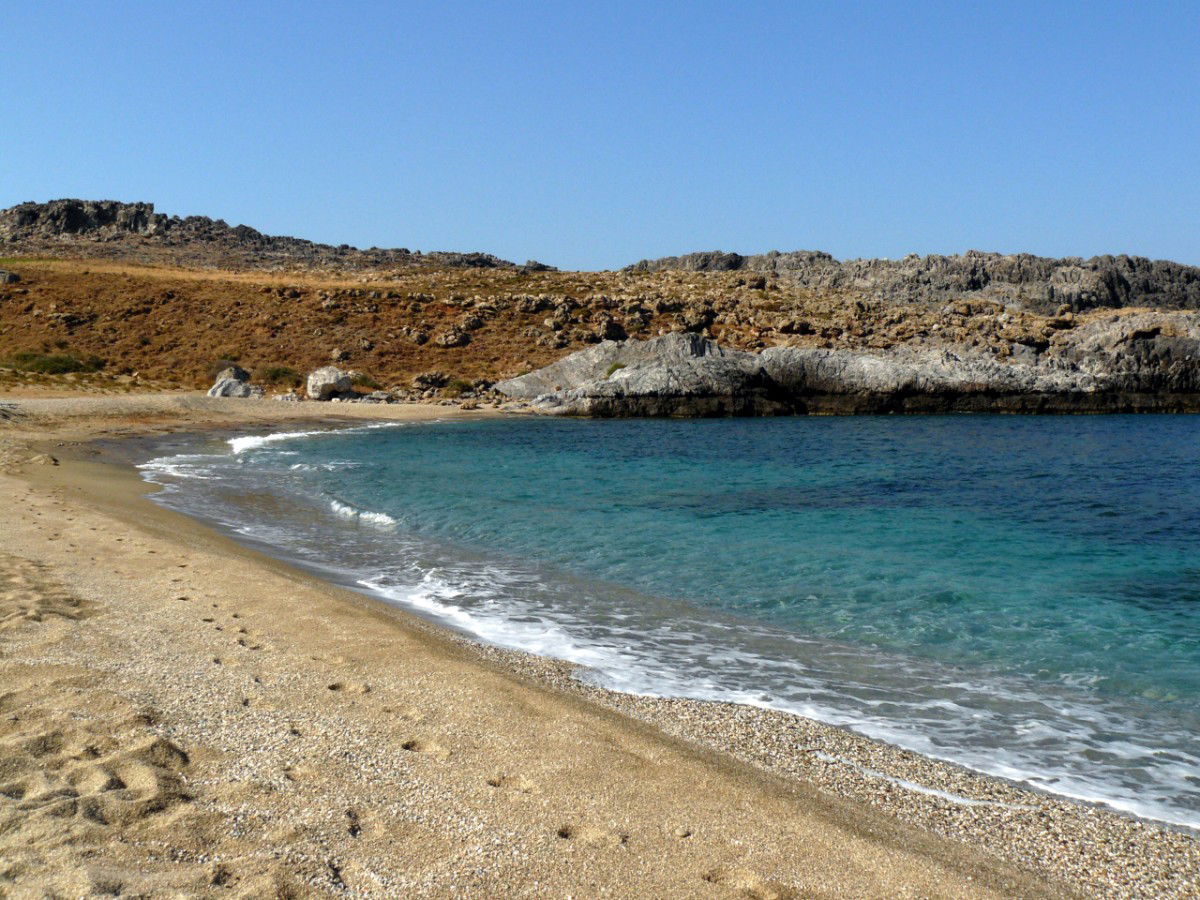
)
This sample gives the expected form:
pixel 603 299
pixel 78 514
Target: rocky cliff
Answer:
pixel 1033 282
pixel 1142 362
pixel 134 231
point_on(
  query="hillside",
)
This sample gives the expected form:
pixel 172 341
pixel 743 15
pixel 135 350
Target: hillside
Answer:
pixel 169 299
pixel 134 232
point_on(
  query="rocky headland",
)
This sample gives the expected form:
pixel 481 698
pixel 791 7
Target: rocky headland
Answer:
pixel 1149 362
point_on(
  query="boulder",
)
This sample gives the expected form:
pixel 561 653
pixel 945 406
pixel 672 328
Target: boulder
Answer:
pixel 454 337
pixel 378 397
pixel 328 382
pixel 235 387
pixel 235 373
pixel 9 277
pixel 234 381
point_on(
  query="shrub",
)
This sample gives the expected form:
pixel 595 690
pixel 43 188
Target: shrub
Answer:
pixel 456 387
pixel 281 375
pixel 617 366
pixel 366 381
pixel 53 363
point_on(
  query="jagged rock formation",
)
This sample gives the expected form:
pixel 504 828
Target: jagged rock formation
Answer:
pixel 1144 362
pixel 1032 282
pixel 107 228
pixel 672 375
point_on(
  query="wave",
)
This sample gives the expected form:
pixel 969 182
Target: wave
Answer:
pixel 246 443
pixel 365 516
pixel 252 442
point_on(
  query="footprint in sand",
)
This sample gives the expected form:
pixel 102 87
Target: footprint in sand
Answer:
pixel 349 687
pixel 592 836
pixel 425 747
pixel 29 594
pixel 518 785
pixel 747 884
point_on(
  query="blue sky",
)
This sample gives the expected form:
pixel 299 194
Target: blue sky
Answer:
pixel 592 135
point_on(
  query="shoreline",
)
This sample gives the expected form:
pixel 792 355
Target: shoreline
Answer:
pixel 1088 848
pixel 562 673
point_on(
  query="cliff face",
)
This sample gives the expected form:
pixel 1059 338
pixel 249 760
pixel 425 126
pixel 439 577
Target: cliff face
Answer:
pixel 1036 283
pixel 134 231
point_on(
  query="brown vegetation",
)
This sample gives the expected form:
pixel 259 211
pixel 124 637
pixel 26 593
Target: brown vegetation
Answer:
pixel 172 326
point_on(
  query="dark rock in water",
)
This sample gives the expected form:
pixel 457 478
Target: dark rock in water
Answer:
pixel 1143 362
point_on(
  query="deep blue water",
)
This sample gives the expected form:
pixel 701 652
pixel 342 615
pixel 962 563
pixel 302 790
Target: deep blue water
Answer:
pixel 1021 595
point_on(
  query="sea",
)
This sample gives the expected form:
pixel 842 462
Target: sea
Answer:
pixel 1017 595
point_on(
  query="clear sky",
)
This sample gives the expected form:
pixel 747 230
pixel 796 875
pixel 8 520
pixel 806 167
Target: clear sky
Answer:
pixel 592 135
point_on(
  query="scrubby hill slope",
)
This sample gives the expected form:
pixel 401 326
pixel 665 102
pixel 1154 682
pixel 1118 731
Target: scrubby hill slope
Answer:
pixel 171 298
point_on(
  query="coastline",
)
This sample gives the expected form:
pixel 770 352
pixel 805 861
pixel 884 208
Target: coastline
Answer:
pixel 780 785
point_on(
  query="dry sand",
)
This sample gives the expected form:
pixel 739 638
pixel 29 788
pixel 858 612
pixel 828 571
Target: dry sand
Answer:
pixel 182 716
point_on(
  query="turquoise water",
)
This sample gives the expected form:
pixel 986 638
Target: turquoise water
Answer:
pixel 1020 595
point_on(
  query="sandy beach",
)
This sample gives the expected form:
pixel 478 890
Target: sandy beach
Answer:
pixel 182 716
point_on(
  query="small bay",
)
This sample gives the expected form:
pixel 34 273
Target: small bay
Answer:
pixel 1018 595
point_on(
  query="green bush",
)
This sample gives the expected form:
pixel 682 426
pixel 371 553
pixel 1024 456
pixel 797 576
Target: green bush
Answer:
pixel 280 375
pixel 365 381
pixel 53 363
pixel 613 368
pixel 456 387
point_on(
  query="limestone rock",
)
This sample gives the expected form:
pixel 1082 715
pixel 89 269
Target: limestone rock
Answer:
pixel 234 381
pixel 1139 362
pixel 328 382
pixel 234 387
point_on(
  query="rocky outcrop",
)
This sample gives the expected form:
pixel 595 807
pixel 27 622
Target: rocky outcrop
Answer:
pixel 1032 282
pixel 133 230
pixel 672 375
pixel 234 381
pixel 1135 363
pixel 328 382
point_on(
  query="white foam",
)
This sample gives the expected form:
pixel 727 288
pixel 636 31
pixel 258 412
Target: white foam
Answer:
pixel 365 516
pixel 254 441
pixel 183 465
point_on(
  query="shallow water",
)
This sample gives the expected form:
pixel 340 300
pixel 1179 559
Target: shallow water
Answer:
pixel 1019 595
